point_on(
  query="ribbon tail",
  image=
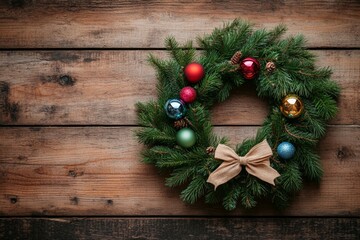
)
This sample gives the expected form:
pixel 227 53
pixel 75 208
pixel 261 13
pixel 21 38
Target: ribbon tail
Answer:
pixel 259 162
pixel 225 172
pixel 264 172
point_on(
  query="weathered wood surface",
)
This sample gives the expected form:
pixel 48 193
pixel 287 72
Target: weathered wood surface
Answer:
pixel 79 171
pixel 144 24
pixel 66 63
pixel 101 88
pixel 179 228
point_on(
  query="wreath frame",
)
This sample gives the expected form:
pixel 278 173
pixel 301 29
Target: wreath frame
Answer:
pixel 295 73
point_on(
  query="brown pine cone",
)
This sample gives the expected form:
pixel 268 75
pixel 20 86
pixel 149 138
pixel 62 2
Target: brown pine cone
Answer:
pixel 235 59
pixel 210 150
pixel 270 66
pixel 180 124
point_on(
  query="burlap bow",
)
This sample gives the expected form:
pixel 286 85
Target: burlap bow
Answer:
pixel 256 163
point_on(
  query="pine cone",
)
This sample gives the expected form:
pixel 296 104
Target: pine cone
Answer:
pixel 210 150
pixel 235 59
pixel 270 67
pixel 180 124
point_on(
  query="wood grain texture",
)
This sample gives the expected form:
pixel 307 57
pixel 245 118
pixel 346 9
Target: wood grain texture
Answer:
pixel 65 63
pixel 179 228
pixel 81 171
pixel 144 24
pixel 102 87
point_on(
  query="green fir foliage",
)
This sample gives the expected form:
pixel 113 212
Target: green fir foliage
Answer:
pixel 295 73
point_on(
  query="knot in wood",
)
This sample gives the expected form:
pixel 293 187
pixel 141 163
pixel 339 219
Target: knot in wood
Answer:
pixel 66 80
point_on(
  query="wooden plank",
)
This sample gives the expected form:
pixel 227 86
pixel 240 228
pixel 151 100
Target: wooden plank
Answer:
pixel 173 228
pixel 144 24
pixel 101 87
pixel 81 171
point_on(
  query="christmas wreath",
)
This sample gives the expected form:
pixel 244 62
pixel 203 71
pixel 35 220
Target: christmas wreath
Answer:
pixel 178 133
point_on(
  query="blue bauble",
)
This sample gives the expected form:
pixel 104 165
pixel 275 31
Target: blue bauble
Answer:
pixel 175 108
pixel 286 150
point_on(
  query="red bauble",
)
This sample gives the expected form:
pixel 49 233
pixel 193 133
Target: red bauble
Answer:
pixel 249 67
pixel 194 72
pixel 188 94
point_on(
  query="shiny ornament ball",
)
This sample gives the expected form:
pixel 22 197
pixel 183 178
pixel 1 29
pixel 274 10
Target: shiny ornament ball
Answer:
pixel 249 67
pixel 188 94
pixel 175 108
pixel 194 72
pixel 186 137
pixel 291 106
pixel 286 150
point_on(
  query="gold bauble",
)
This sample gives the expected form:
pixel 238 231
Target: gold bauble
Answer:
pixel 291 106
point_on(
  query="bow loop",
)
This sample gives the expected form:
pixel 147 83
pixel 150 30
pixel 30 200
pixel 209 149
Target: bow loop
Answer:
pixel 225 153
pixel 256 162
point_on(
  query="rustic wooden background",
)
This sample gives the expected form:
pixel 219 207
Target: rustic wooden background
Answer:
pixel 70 74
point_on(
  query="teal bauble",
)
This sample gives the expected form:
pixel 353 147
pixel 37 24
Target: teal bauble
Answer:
pixel 286 150
pixel 186 137
pixel 175 108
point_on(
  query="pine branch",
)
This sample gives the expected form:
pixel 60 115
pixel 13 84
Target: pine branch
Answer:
pixel 291 179
pixel 326 106
pixel 280 198
pixel 169 76
pixel 154 136
pixel 297 136
pixel 208 87
pixel 312 122
pixel 182 55
pixel 276 33
pixel 179 176
pixel 256 187
pixel 247 199
pixel 231 198
pixel 310 163
pixel 194 190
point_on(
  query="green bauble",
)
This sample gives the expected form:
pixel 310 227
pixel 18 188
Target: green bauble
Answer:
pixel 186 137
